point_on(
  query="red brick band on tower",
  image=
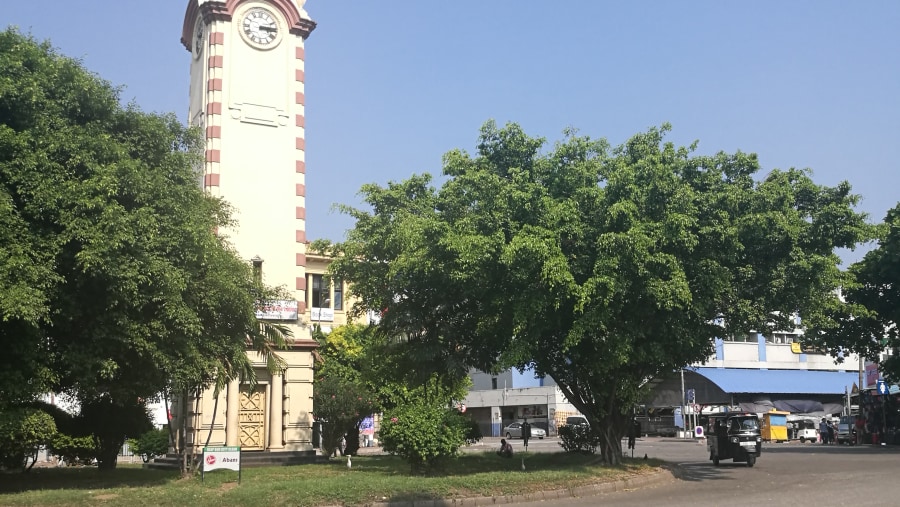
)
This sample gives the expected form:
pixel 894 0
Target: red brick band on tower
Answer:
pixel 300 169
pixel 213 121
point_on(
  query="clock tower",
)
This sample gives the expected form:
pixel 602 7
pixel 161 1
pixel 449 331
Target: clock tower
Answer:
pixel 247 95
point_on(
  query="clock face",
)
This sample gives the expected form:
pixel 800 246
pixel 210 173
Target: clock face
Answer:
pixel 199 38
pixel 260 26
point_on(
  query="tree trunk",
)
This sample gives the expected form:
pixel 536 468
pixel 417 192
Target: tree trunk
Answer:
pixel 183 440
pixel 613 429
pixel 611 446
pixel 352 441
pixel 213 422
pixel 109 452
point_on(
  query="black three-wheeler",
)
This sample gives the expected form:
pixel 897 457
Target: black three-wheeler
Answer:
pixel 734 436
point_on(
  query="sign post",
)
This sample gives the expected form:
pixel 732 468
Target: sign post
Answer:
pixel 221 457
pixel 884 390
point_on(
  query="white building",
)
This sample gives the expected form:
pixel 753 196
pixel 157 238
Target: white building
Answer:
pixel 753 372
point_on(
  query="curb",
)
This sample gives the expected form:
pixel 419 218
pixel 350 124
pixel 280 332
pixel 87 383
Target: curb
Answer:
pixel 663 476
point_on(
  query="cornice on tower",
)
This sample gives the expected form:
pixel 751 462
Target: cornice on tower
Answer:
pixel 299 22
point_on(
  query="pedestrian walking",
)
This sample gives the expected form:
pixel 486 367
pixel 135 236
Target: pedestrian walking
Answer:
pixel 526 432
pixel 823 431
pixel 634 430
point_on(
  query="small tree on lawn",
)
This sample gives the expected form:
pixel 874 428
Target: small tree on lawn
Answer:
pixel 424 434
pixel 339 404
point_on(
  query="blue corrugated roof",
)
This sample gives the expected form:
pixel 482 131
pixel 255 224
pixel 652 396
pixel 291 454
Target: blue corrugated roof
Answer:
pixel 738 380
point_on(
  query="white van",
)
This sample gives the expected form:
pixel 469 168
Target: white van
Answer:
pixel 575 420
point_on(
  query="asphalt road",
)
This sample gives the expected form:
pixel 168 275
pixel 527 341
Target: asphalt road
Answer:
pixel 786 474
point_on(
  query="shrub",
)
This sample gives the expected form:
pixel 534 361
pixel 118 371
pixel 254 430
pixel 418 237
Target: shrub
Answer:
pixel 23 431
pixel 424 434
pixel 151 444
pixel 578 438
pixel 75 450
pixel 473 431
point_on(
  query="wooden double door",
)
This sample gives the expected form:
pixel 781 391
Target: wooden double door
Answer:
pixel 252 417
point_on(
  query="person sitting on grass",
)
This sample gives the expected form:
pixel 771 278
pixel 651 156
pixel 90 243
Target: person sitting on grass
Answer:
pixel 506 449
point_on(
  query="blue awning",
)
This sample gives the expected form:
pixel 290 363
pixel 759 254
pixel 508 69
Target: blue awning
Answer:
pixel 739 380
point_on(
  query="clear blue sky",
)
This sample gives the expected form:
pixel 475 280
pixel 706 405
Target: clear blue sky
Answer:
pixel 392 85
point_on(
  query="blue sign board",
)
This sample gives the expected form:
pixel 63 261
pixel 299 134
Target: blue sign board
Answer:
pixel 882 387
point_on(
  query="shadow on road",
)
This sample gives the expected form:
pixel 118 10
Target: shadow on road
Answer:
pixel 830 449
pixel 696 472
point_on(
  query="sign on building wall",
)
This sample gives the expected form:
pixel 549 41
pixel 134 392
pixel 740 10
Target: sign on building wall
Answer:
pixel 871 375
pixel 321 314
pixel 533 411
pixel 277 309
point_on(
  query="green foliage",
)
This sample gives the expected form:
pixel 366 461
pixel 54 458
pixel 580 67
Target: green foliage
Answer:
pixel 340 405
pixel 150 444
pixel 23 431
pixel 114 283
pixel 578 438
pixel 599 267
pixel 424 434
pixel 868 320
pixel 75 450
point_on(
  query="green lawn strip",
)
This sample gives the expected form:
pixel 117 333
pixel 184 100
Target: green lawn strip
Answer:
pixel 372 479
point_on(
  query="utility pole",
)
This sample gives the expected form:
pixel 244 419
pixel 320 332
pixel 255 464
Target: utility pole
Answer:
pixel 862 368
pixel 683 415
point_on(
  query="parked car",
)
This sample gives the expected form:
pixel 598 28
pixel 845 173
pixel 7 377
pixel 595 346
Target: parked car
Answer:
pixel 667 431
pixel 514 430
pixel 846 430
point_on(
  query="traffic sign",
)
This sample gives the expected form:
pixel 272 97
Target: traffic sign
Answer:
pixel 882 387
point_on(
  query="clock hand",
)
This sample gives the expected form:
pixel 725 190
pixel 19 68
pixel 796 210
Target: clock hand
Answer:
pixel 267 28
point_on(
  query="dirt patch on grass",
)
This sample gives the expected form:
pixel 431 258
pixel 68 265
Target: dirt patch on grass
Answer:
pixel 103 498
pixel 228 486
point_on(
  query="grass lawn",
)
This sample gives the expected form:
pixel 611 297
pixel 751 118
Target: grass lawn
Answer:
pixel 372 479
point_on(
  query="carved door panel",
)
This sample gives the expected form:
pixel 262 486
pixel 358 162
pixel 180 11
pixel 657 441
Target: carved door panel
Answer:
pixel 253 418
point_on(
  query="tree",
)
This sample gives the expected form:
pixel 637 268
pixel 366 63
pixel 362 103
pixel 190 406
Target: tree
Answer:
pixel 115 284
pixel 599 267
pixel 339 404
pixel 866 321
pixel 111 422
